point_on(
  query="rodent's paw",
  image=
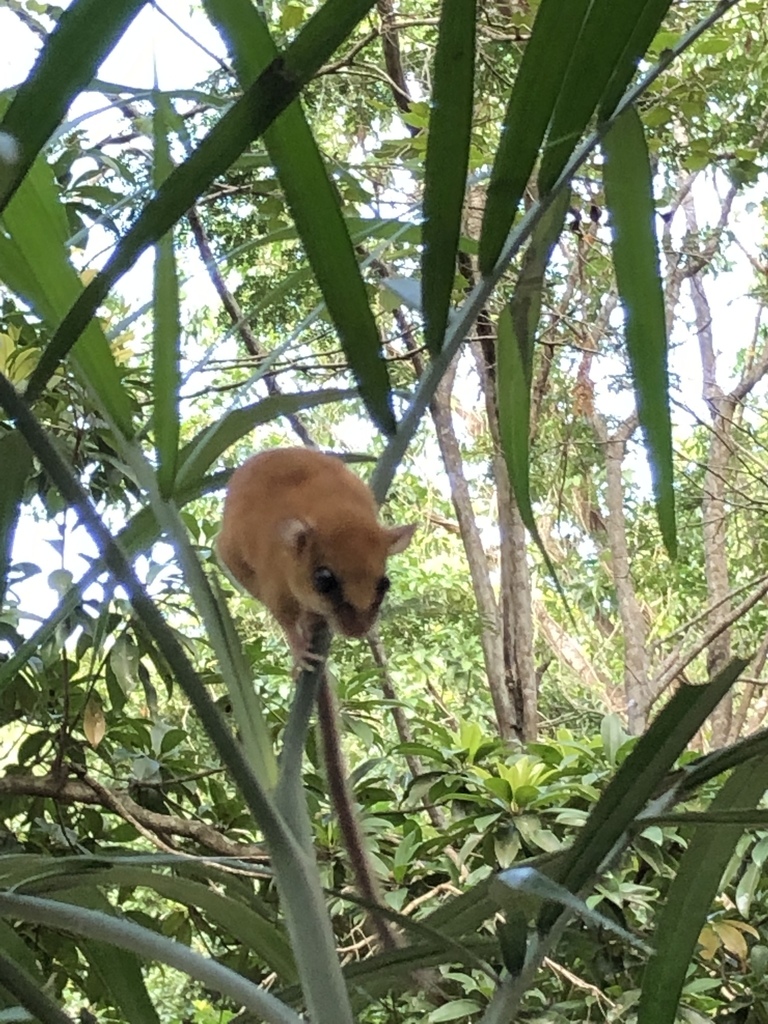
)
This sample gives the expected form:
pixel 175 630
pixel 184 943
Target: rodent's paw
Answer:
pixel 307 661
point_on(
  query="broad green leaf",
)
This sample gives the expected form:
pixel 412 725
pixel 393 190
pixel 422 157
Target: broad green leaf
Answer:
pixel 311 195
pixel 202 451
pixel 613 736
pixel 627 177
pixel 715 44
pixel 542 69
pixel 84 34
pixel 120 973
pixel 455 1009
pixel 165 334
pixel 34 263
pixel 268 96
pixel 691 895
pixel 745 890
pixel 16 462
pixel 638 777
pixel 598 53
pixel 447 160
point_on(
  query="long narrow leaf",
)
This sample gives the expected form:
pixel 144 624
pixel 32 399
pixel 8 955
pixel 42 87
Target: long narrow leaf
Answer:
pixel 84 34
pixel 255 931
pixel 34 262
pixel 628 192
pixel 465 316
pixel 447 160
pixel 536 89
pixel 598 51
pixel 641 773
pixel 127 935
pixel 268 96
pixel 517 329
pixel 691 894
pixel 645 28
pixel 202 451
pixel 314 205
pixel 165 335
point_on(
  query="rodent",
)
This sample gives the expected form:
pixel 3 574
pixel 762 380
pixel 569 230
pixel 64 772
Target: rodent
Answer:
pixel 300 532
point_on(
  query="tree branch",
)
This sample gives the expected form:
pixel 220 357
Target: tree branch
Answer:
pixel 232 307
pixel 88 791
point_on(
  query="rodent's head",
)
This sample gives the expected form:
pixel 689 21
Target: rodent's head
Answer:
pixel 340 573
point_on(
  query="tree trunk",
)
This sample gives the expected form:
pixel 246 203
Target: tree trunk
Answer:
pixel 516 609
pixel 491 632
pixel 634 630
pixel 715 536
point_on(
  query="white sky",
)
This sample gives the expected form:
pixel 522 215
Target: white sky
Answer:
pixel 149 40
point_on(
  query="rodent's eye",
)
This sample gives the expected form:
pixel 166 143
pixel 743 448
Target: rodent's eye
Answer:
pixel 324 581
pixel 382 586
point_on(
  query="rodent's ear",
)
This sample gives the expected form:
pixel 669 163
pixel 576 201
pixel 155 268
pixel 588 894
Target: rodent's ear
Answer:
pixel 295 533
pixel 400 538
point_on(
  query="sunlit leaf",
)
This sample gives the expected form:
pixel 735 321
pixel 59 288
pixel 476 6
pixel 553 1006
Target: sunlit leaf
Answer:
pixel 745 890
pixel 34 262
pixel 94 722
pixel 165 334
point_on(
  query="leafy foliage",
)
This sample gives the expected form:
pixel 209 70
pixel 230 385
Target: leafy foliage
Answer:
pixel 163 792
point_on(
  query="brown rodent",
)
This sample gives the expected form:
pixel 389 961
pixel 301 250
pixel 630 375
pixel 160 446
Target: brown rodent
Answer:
pixel 301 533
